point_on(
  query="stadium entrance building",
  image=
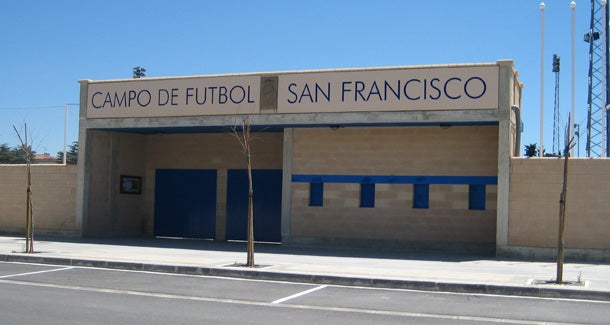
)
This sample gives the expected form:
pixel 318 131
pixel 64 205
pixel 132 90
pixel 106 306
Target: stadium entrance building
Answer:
pixel 404 156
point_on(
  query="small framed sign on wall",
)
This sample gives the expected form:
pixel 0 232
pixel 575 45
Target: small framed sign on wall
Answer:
pixel 131 184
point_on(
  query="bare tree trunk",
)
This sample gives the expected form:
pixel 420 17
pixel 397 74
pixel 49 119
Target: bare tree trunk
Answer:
pixel 562 207
pixel 250 249
pixel 29 209
pixel 243 136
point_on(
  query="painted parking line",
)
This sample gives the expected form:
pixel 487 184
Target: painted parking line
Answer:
pixel 296 295
pixel 377 312
pixel 37 272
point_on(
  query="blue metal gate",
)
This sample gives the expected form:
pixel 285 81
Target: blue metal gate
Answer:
pixel 185 203
pixel 267 204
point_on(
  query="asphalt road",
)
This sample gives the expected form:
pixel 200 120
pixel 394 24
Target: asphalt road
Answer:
pixel 45 294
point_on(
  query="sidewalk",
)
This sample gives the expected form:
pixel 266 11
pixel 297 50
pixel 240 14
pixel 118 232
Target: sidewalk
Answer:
pixel 436 271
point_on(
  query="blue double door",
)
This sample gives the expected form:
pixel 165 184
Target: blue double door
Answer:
pixel 186 199
pixel 267 187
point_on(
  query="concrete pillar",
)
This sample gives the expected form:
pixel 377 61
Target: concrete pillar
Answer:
pixel 287 184
pixel 112 184
pixel 505 100
pixel 82 184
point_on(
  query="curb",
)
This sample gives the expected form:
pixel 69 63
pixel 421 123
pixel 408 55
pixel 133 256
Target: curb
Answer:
pixel 255 274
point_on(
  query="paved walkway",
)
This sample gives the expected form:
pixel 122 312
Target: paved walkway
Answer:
pixel 413 270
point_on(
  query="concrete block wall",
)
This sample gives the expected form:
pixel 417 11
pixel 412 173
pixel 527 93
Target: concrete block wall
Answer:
pixel 53 197
pixel 535 188
pixel 456 150
pixel 409 151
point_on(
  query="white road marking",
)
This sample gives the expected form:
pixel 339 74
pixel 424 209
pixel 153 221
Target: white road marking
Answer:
pixel 265 304
pixel 296 295
pixel 333 285
pixel 37 272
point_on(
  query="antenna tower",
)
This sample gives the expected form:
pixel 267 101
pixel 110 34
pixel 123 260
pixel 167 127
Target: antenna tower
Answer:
pixel 597 99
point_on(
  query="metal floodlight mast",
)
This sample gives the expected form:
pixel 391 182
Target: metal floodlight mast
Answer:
pixel 556 132
pixel 597 36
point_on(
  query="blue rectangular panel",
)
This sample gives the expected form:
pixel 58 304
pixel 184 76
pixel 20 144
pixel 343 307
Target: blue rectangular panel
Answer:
pixel 421 196
pixel 185 203
pixel 316 194
pixel 476 197
pixel 367 195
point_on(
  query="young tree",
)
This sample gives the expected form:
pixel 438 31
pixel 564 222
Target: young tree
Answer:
pixel 242 133
pixel 29 215
pixel 562 207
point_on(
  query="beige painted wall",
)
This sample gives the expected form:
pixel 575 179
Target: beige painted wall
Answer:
pixel 534 205
pixel 453 151
pixel 53 197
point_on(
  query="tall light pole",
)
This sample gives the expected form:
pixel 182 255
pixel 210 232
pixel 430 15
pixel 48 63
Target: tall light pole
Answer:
pixel 573 72
pixel 541 150
pixel 66 133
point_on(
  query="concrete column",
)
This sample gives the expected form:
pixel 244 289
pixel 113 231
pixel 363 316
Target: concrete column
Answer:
pixel 112 184
pixel 287 184
pixel 505 100
pixel 82 177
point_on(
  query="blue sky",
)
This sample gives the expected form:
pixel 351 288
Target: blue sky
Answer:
pixel 47 46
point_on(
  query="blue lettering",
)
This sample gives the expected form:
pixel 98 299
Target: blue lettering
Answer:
pixel 108 100
pixel 146 100
pixel 163 93
pixel 445 88
pixel 407 85
pixel 132 96
pixel 434 87
pixel 212 94
pixel 325 94
pixel 93 100
pixel 344 90
pixel 243 94
pixel 294 100
pixel 250 100
pixel 119 100
pixel 205 96
pixel 222 95
pixel 374 90
pixel 174 95
pixel 188 94
pixel 425 89
pixel 306 92
pixel 482 91
pixel 387 86
pixel 359 87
